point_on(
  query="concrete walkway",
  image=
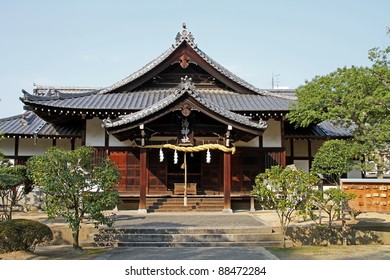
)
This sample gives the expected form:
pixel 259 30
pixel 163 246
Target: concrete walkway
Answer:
pixel 169 220
pixel 195 253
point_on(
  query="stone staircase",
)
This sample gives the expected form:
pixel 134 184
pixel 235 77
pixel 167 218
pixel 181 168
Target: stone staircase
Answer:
pixel 188 237
pixel 176 204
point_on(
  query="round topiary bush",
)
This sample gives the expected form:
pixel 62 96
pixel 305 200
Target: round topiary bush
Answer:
pixel 23 235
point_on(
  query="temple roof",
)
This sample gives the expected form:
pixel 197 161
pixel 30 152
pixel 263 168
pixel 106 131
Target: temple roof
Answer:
pixel 29 124
pixel 139 100
pixel 138 91
pixel 186 37
pixel 156 83
pixel 186 87
pixel 322 130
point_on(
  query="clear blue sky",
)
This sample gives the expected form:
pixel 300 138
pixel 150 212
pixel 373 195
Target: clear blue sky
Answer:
pixel 96 43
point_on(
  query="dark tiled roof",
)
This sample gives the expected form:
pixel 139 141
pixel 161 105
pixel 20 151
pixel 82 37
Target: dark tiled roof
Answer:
pixel 29 124
pixel 186 87
pixel 322 130
pixel 134 101
pixel 185 36
pixel 51 90
pixel 88 98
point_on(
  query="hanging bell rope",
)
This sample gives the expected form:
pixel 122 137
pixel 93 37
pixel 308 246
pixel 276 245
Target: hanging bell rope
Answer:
pixel 191 149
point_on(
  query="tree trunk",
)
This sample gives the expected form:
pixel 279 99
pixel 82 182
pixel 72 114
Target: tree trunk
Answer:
pixel 6 215
pixel 284 230
pixel 343 227
pixel 75 234
pixel 10 213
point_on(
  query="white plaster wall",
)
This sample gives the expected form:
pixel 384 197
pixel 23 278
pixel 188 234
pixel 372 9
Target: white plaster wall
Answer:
pixel 272 136
pixel 315 145
pixel 300 148
pixel 302 164
pixel 254 143
pixel 78 143
pixel 114 142
pixel 7 146
pixel 95 133
pixel 27 147
pixel 66 143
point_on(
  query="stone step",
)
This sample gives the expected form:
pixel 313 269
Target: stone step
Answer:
pixel 188 237
pixel 200 244
pixel 189 206
pixel 183 238
pixel 193 230
pixel 181 203
pixel 175 204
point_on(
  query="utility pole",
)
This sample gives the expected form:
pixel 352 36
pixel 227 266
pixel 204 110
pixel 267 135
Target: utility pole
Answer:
pixel 275 82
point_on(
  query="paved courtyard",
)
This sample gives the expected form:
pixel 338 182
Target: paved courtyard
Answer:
pixel 159 220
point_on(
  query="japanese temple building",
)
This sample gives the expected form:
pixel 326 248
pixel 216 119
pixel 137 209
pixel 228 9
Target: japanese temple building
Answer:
pixel 181 120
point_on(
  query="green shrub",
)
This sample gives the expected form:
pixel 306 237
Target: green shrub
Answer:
pixel 23 235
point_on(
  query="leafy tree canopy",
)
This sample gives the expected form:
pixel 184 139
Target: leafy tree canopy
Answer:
pixel 334 158
pixel 77 185
pixel 14 183
pixel 288 191
pixel 355 97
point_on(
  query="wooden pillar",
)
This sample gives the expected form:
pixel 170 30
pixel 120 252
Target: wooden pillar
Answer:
pixel 72 144
pixel 106 143
pixel 227 183
pixel 84 133
pixel 292 153
pixel 143 182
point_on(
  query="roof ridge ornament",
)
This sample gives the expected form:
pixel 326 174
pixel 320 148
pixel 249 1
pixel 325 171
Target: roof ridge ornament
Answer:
pixel 185 35
pixel 186 84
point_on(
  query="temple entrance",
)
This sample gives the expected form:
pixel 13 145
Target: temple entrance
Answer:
pixel 204 177
pixel 175 174
pixel 162 175
pixel 209 174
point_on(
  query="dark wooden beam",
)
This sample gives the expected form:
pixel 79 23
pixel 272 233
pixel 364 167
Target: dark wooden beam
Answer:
pixel 16 151
pixel 143 181
pixel 227 183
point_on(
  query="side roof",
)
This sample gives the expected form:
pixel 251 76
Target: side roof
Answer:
pixel 29 124
pixel 323 130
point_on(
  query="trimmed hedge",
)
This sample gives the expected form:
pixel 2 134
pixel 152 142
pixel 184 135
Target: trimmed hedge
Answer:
pixel 23 235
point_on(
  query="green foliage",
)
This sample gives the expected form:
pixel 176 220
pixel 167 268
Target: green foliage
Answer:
pixel 77 185
pixel 355 97
pixel 334 158
pixel 22 234
pixel 332 201
pixel 14 183
pixel 288 191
